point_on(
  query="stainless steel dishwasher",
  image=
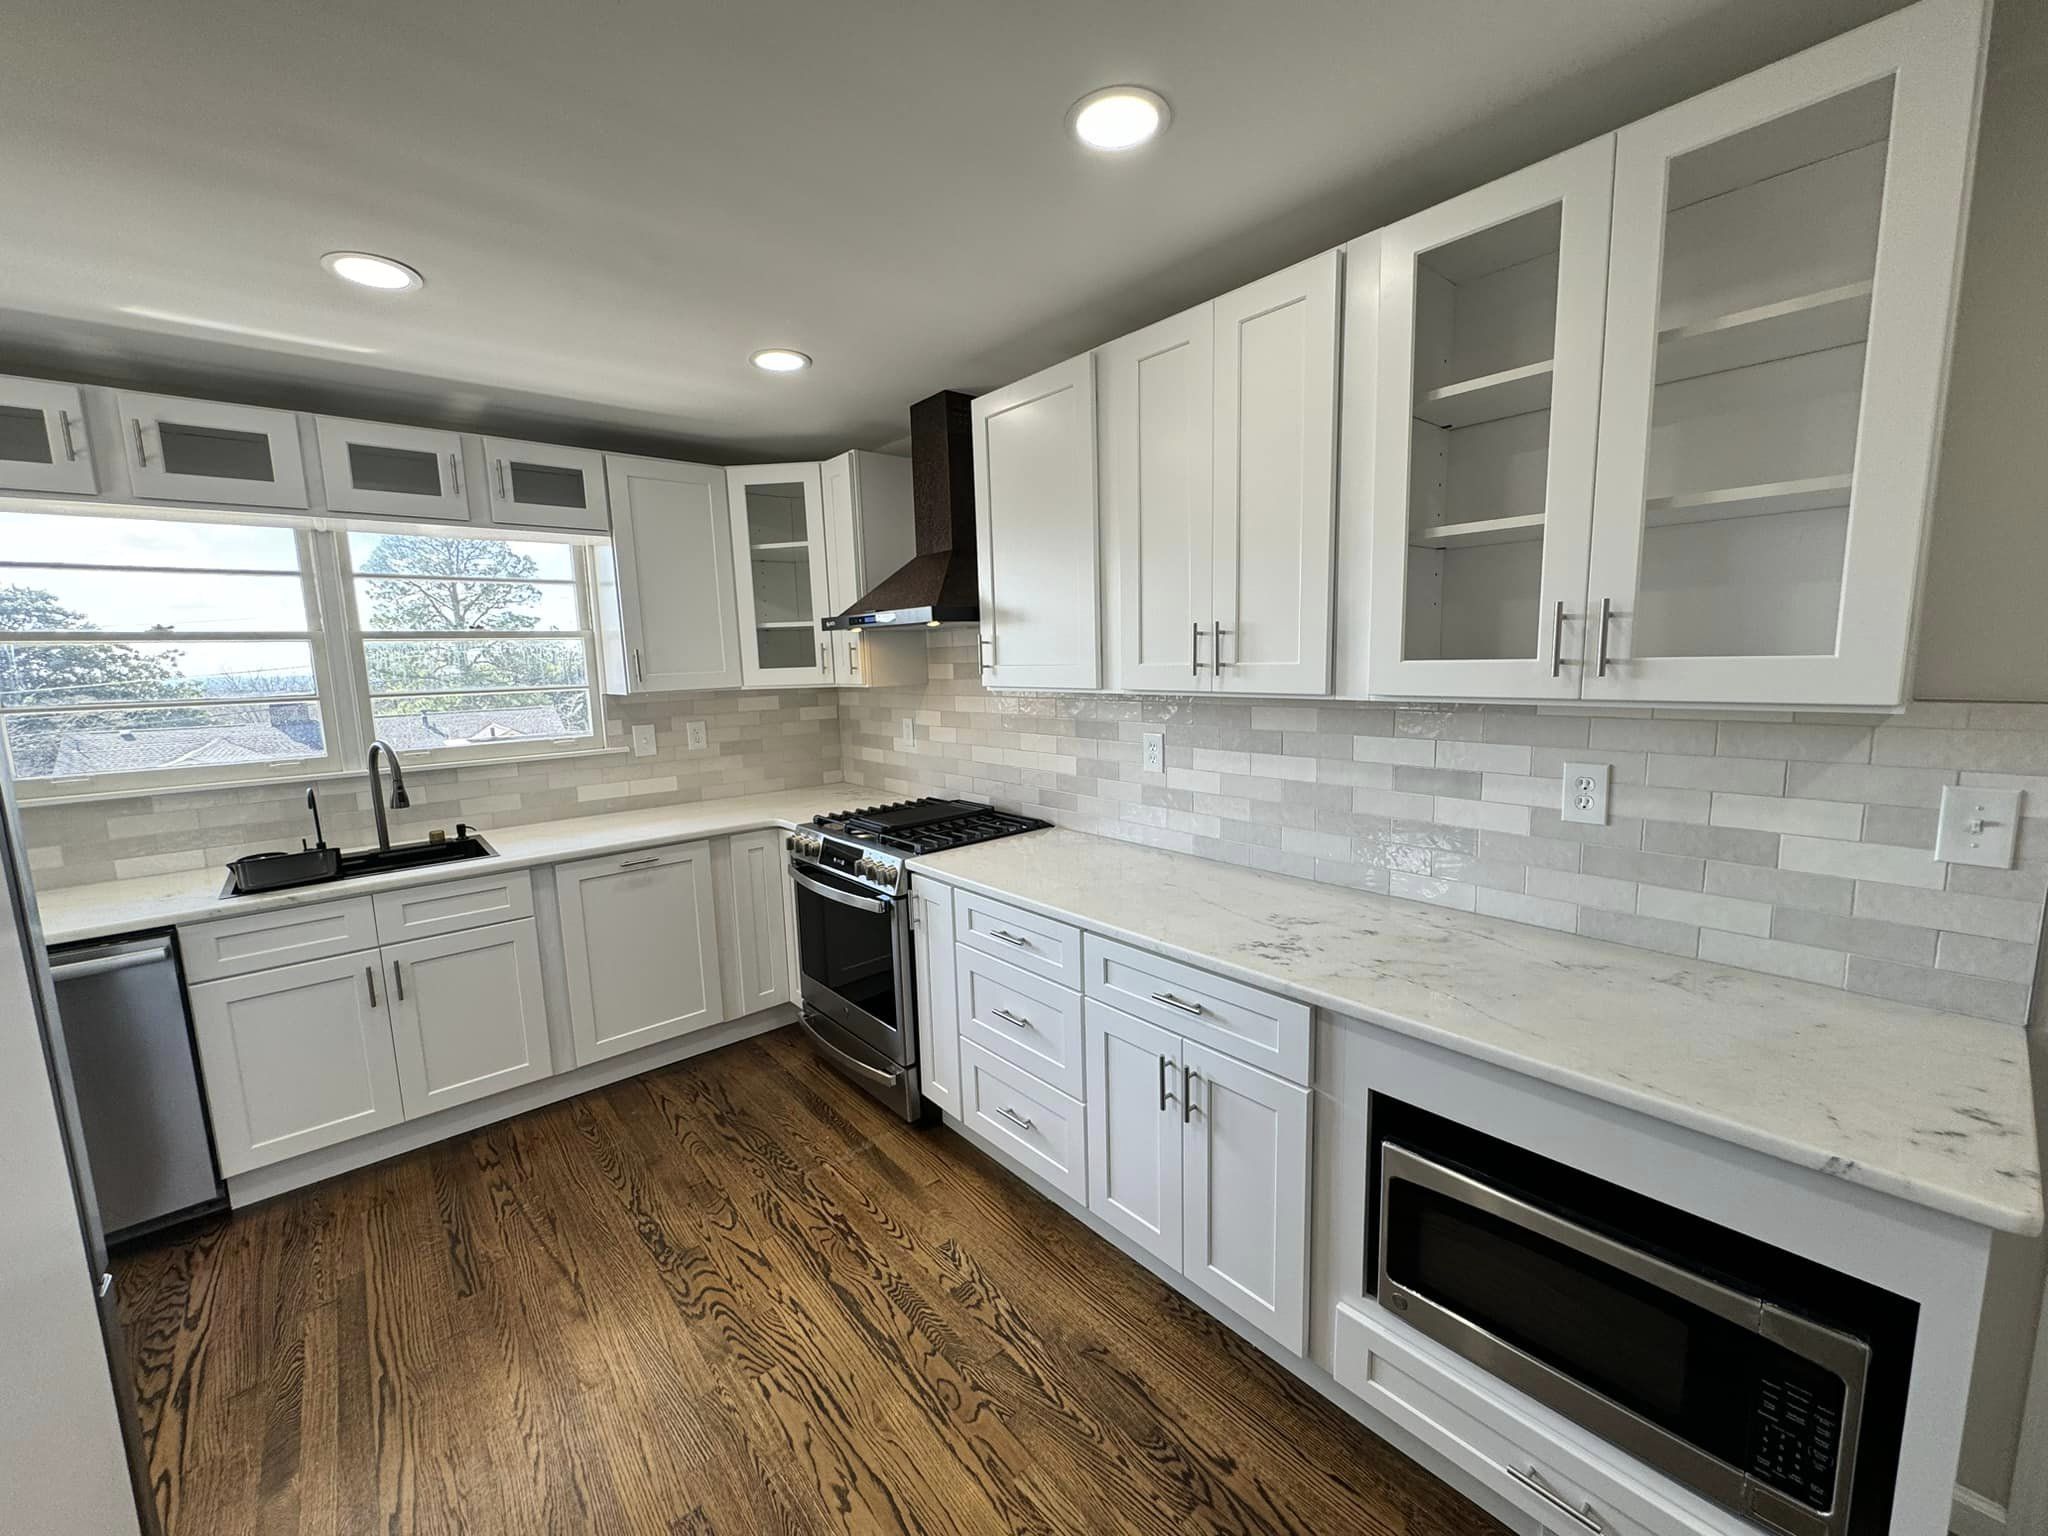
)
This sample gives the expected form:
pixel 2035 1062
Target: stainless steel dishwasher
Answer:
pixel 135 1076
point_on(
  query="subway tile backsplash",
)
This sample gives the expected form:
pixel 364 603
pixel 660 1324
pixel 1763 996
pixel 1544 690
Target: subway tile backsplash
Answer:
pixel 755 743
pixel 1798 845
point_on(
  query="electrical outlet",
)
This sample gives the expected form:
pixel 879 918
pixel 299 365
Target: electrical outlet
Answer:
pixel 643 741
pixel 1585 793
pixel 906 733
pixel 694 739
pixel 1155 751
pixel 1977 826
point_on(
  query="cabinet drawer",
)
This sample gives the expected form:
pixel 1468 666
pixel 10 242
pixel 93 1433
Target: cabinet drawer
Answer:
pixel 1024 1119
pixel 1565 1487
pixel 235 946
pixel 1038 944
pixel 1028 1021
pixel 419 911
pixel 1228 1016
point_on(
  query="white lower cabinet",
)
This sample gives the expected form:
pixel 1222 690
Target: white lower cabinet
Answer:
pixel 1030 1120
pixel 467 1018
pixel 760 936
pixel 640 944
pixel 1134 1180
pixel 938 1023
pixel 296 1058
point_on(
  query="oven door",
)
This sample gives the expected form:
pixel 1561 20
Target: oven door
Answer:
pixel 853 949
pixel 1755 1407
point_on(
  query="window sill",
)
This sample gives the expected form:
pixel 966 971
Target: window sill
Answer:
pixel 29 797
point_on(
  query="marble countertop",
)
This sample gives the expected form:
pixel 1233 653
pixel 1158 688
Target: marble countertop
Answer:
pixel 1932 1108
pixel 164 901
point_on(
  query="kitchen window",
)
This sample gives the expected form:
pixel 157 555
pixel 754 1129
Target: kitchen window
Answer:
pixel 151 653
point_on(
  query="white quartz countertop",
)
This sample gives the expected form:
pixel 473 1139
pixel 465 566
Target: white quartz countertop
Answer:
pixel 163 901
pixel 1932 1108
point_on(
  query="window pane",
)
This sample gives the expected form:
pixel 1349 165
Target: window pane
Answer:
pixel 134 601
pixel 214 451
pixel 395 471
pixel 23 437
pixel 411 554
pixel 453 720
pixel 388 603
pixel 439 666
pixel 547 485
pixel 56 538
pixel 41 674
pixel 182 739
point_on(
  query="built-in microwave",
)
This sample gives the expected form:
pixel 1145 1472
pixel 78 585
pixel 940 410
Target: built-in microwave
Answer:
pixel 1759 1379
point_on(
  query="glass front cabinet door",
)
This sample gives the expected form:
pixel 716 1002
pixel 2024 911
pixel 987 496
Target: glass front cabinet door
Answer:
pixel 207 451
pixel 1778 311
pixel 778 531
pixel 389 471
pixel 1488 401
pixel 43 443
pixel 545 487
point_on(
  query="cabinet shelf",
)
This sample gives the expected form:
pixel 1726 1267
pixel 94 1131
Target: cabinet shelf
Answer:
pixel 784 624
pixel 1765 500
pixel 1490 397
pixel 1813 322
pixel 1492 530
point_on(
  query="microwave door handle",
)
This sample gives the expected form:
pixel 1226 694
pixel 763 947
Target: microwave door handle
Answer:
pixel 844 898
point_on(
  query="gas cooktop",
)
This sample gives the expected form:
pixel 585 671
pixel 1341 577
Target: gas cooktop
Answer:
pixel 871 842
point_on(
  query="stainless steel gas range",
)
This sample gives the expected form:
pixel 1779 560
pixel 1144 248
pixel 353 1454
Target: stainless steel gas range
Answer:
pixel 859 1001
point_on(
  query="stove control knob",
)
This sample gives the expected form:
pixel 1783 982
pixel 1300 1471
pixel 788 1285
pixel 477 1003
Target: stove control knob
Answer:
pixel 793 843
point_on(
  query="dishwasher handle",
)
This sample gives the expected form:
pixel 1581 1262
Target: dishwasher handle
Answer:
pixel 109 961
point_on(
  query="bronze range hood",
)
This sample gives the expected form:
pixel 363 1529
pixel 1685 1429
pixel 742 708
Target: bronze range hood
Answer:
pixel 939 585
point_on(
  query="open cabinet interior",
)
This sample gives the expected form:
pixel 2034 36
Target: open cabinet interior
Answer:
pixel 1485 339
pixel 1770 248
pixel 779 565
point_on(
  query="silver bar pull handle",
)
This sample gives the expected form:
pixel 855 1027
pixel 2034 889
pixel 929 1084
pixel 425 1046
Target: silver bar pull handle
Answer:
pixel 1195 650
pixel 398 979
pixel 824 655
pixel 141 447
pixel 1165 1083
pixel 1216 634
pixel 652 858
pixel 105 964
pixel 370 981
pixel 1022 1122
pixel 639 671
pixel 1557 641
pixel 1009 938
pixel 64 426
pixel 502 495
pixel 1010 1018
pixel 1606 616
pixel 1188 1078
pixel 1532 1480
pixel 1170 1001
pixel 455 473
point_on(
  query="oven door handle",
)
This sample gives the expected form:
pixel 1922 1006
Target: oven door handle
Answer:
pixel 874 904
pixel 850 1062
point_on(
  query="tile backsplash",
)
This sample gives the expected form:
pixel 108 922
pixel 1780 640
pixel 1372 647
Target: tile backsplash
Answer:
pixel 755 742
pixel 1794 844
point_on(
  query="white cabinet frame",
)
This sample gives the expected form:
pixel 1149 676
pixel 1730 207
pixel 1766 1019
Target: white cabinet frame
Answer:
pixel 143 418
pixel 817 673
pixel 450 503
pixel 668 606
pixel 491 1035
pixel 1934 52
pixel 503 506
pixel 627 900
pixel 1580 180
pixel 68 466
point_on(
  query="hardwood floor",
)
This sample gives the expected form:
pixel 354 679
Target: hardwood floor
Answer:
pixel 730 1297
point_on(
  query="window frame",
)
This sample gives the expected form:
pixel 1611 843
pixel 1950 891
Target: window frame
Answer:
pixel 336 641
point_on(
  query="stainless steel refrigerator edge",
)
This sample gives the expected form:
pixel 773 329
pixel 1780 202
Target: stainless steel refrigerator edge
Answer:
pixel 66 1415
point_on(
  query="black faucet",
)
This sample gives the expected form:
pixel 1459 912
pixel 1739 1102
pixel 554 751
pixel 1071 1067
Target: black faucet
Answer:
pixel 399 799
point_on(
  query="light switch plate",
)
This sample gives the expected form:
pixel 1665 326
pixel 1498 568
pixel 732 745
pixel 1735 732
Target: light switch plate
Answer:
pixel 1585 793
pixel 1977 826
pixel 643 741
pixel 906 733
pixel 1155 751
pixel 693 736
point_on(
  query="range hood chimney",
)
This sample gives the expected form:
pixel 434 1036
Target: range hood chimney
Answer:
pixel 939 585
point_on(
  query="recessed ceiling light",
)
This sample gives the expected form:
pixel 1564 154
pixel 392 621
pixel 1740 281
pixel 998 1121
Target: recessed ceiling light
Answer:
pixel 780 360
pixel 367 271
pixel 1119 117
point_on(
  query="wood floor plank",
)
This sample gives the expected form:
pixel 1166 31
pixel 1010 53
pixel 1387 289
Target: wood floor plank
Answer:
pixel 730 1298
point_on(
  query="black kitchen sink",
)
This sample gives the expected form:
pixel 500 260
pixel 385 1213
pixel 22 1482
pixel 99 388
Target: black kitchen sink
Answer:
pixel 288 871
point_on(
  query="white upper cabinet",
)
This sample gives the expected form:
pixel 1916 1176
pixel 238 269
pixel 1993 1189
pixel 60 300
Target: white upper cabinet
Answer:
pixel 380 470
pixel 1485 417
pixel 202 450
pixel 870 534
pixel 778 534
pixel 1779 301
pixel 539 486
pixel 1035 530
pixel 668 604
pixel 43 442
pixel 1218 459
pixel 1275 486
pixel 1158 408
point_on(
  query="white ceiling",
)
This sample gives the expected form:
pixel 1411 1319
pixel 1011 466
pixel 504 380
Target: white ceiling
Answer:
pixel 614 202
